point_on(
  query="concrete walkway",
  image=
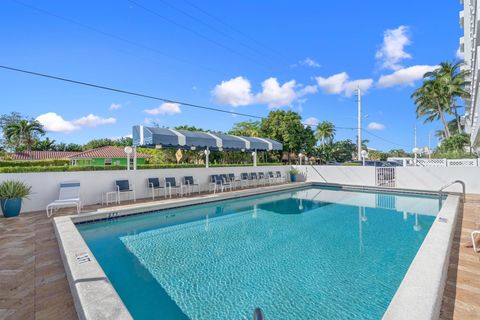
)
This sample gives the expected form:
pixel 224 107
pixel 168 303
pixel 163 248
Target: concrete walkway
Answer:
pixel 461 299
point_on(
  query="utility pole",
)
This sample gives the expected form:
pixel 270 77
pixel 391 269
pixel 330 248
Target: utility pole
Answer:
pixel 359 125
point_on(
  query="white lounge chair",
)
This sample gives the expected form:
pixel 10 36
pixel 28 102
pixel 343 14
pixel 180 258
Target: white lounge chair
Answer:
pixel 474 233
pixel 68 196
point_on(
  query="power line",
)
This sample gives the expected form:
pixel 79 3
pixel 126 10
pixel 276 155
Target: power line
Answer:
pixel 116 37
pixel 87 84
pixel 210 26
pixel 172 21
pixel 142 95
pixel 276 53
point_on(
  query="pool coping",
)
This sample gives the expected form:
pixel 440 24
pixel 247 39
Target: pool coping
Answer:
pixel 419 295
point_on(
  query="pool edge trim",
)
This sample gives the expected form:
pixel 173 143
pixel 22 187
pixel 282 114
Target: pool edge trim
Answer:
pixel 420 293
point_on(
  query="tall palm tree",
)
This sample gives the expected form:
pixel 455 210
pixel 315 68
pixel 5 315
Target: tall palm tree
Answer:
pixel 23 133
pixel 454 80
pixel 325 132
pixel 432 101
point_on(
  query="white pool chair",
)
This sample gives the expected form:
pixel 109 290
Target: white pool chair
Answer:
pixel 68 196
pixel 124 187
pixel 474 233
pixel 154 185
pixel 190 184
pixel 170 183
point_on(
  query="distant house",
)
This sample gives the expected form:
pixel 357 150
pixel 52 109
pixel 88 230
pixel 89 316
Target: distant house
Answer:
pixel 42 155
pixel 105 156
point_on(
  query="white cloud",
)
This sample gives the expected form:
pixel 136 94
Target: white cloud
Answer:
pixel 333 84
pixel 237 92
pixel 392 50
pixel 376 126
pixel 310 89
pixel 167 108
pixel 92 121
pixel 234 92
pixel 276 95
pixel 309 62
pixel 115 106
pixel 405 76
pixel 312 121
pixel 339 83
pixel 352 86
pixel 53 122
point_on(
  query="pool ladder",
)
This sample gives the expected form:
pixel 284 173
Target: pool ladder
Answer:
pixel 452 183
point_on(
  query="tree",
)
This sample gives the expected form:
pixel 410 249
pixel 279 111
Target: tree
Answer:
pixel 325 132
pixel 23 133
pixel 400 153
pixel 454 81
pixel 286 127
pixel 7 119
pixel 246 128
pixel 189 128
pixel 43 145
pixel 432 102
pixel 455 143
pixel 309 140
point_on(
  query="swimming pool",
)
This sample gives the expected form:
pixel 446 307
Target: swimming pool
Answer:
pixel 312 253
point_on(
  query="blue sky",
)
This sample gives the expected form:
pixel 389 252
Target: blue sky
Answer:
pixel 246 56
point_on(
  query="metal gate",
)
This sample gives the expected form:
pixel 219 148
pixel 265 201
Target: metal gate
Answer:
pixel 385 176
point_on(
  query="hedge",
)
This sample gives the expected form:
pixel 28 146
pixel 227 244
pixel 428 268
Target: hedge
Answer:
pixel 65 168
pixel 33 163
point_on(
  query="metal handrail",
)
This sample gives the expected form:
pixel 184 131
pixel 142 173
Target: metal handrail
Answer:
pixel 452 183
pixel 319 173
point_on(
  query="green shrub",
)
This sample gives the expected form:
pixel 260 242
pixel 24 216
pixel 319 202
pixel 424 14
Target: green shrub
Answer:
pixel 33 163
pixel 11 189
pixel 65 168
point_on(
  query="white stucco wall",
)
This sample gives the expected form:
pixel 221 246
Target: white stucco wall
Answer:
pixel 45 185
pixel 421 178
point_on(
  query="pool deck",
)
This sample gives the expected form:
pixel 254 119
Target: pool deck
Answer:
pixel 33 284
pixel 461 299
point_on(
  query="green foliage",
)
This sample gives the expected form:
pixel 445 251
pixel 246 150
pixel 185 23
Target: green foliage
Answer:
pixel 246 128
pixel 377 155
pixel 98 143
pixel 66 168
pixel 455 144
pixel 189 128
pixel 23 133
pixel 325 132
pixel 293 172
pixel 33 163
pixel 286 127
pixel 400 153
pixel 11 189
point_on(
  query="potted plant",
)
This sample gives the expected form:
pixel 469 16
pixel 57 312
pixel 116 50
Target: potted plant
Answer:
pixel 11 195
pixel 293 174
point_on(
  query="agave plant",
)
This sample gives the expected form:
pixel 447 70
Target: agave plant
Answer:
pixel 11 189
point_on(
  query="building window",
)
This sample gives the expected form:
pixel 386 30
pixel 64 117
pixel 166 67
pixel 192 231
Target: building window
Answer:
pixel 131 161
pixel 108 161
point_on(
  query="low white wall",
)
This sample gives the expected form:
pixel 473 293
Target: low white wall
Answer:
pixel 362 176
pixel 421 178
pixel 45 185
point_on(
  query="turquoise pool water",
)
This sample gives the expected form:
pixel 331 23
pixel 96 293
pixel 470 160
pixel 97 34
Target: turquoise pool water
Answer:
pixel 315 253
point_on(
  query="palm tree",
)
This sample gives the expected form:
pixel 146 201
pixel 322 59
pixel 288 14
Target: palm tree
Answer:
pixel 453 78
pixel 24 133
pixel 325 132
pixel 432 101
